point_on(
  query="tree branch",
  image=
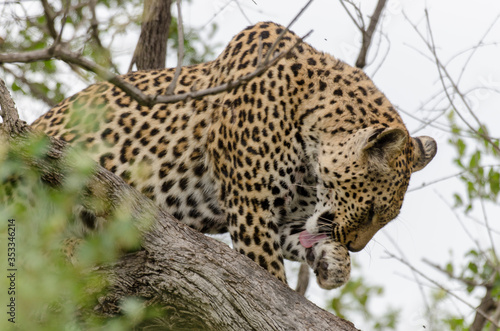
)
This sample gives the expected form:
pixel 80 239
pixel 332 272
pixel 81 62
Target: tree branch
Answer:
pixel 303 279
pixel 443 74
pixel 477 309
pixel 180 50
pixel 60 52
pixel 151 49
pixel 487 305
pixel 368 34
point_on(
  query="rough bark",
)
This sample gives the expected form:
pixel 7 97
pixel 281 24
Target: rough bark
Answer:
pixel 200 282
pixel 488 305
pixel 151 49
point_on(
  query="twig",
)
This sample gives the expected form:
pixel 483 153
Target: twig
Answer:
pixel 280 36
pixel 444 73
pixel 467 282
pixel 415 275
pixel 94 24
pixel 361 24
pixel 50 15
pixel 475 48
pixel 62 53
pixel 63 24
pixel 478 310
pixel 368 34
pixel 242 12
pixel 34 89
pixel 180 50
pixel 303 279
pixel 426 184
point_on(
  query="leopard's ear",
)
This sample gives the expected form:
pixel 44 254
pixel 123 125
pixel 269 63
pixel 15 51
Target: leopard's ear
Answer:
pixel 383 146
pixel 424 150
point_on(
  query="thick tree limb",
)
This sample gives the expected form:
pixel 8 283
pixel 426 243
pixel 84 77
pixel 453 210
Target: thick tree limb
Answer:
pixel 488 305
pixel 199 281
pixel 151 49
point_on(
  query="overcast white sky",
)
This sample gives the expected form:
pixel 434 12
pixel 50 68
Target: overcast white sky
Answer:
pixel 426 228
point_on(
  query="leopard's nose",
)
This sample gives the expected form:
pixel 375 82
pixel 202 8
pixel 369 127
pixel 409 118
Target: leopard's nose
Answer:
pixel 353 249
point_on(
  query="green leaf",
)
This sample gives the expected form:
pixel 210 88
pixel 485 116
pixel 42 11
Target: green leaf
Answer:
pixel 449 268
pixel 458 200
pixel 474 161
pixel 494 180
pixel 472 267
pixel 461 147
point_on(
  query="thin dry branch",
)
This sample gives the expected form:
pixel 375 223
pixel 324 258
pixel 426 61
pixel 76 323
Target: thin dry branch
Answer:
pixel 180 50
pixel 60 52
pixel 33 87
pixel 421 274
pixel 94 24
pixel 50 16
pixel 443 76
pixel 302 279
pixel 366 33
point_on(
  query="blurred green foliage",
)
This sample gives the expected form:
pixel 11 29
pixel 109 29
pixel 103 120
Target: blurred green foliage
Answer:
pixel 50 292
pixel 355 299
pixel 479 268
pixel 27 27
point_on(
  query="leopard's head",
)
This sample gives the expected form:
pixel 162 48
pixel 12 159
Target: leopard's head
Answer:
pixel 363 159
pixel 363 180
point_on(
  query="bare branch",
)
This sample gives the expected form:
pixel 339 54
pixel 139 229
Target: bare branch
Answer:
pixel 280 36
pixel 50 15
pixel 458 174
pixel 360 23
pixel 94 24
pixel 368 34
pixel 443 74
pixel 60 52
pixel 488 305
pixel 34 89
pixel 180 50
pixel 243 12
pixel 232 84
pixel 303 279
pixel 477 309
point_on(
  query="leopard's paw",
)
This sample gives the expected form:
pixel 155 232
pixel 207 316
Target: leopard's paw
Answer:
pixel 331 263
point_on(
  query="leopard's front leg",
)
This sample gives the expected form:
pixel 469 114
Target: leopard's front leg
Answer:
pixel 255 234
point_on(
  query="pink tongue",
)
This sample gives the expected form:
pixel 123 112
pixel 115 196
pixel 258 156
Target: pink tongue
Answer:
pixel 308 240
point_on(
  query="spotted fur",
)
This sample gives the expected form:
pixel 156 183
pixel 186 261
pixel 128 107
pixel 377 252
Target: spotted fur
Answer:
pixel 309 147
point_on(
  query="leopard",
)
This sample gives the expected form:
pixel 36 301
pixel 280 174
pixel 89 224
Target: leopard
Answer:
pixel 306 161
